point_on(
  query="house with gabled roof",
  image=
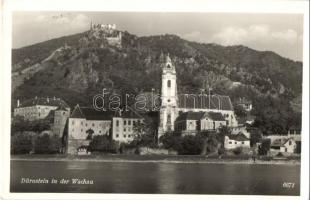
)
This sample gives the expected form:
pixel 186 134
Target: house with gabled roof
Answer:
pixel 38 107
pixel 283 145
pixel 86 122
pixel 193 122
pixel 235 141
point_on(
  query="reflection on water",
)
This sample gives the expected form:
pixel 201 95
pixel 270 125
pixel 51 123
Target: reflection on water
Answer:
pixel 150 178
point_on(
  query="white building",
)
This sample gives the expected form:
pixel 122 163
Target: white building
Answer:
pixel 283 145
pixel 123 125
pixel 245 104
pixel 86 122
pixel 38 108
pixel 172 103
pixel 192 122
pixel 234 141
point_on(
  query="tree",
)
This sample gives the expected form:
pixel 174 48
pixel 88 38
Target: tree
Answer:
pixel 264 147
pixel 222 132
pixel 256 137
pixel 171 141
pixel 21 143
pixel 47 144
pixel 240 111
pixel 90 133
pixel 102 143
pixel 145 134
pixel 191 145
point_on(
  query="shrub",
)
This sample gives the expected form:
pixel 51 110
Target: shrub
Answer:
pixel 21 143
pixel 191 145
pixel 47 144
pixel 102 143
pixel 237 151
pixel 264 147
pixel 187 145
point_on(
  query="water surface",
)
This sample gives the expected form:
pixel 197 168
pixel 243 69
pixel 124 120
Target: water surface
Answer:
pixel 153 178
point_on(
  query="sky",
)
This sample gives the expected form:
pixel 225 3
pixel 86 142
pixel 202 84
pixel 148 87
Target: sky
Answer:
pixel 281 33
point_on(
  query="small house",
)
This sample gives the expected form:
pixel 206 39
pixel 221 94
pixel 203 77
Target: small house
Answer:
pixel 238 140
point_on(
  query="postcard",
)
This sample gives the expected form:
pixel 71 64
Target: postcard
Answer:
pixel 175 102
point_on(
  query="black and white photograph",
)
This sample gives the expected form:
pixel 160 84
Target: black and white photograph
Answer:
pixel 120 102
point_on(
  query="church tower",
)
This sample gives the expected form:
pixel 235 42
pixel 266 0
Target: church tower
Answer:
pixel 169 98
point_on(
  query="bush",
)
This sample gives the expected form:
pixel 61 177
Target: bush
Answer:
pixel 237 151
pixel 264 147
pixel 21 143
pixel 187 145
pixel 102 143
pixel 45 144
pixel 191 145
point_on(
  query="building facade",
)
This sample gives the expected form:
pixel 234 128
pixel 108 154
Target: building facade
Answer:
pixel 174 104
pixel 235 141
pixel 193 122
pixel 38 108
pixel 86 122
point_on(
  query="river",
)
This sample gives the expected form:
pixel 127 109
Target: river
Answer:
pixel 156 178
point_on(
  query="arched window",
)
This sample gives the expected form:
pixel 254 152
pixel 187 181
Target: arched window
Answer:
pixel 168 66
pixel 169 83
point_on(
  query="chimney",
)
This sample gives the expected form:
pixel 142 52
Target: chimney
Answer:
pixel 18 103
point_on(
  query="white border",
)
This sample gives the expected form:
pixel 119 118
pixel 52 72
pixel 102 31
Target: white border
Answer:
pixel 245 6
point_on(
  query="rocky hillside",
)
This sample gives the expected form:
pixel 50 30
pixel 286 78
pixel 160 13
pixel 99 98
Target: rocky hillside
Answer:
pixel 75 68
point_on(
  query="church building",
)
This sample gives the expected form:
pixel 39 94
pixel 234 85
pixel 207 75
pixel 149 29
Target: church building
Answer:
pixel 209 107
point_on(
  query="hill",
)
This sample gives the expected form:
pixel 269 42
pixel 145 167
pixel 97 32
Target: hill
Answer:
pixel 79 66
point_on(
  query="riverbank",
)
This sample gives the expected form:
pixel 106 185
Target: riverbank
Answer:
pixel 154 159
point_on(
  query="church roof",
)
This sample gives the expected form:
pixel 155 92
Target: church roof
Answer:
pixel 44 102
pixel 199 115
pixel 198 101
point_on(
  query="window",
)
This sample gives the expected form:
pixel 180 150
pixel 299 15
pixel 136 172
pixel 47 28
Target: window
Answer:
pixel 81 130
pixel 63 113
pixel 129 122
pixel 242 142
pixel 72 122
pixel 168 66
pixel 124 129
pixel 169 83
pixel 134 123
pixel 129 129
pixel 290 143
pixel 99 131
pixel 124 135
pixel 81 123
pixel 117 123
pixel 124 122
pixel 230 142
pixel 93 124
pixel 117 135
pixel 235 142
